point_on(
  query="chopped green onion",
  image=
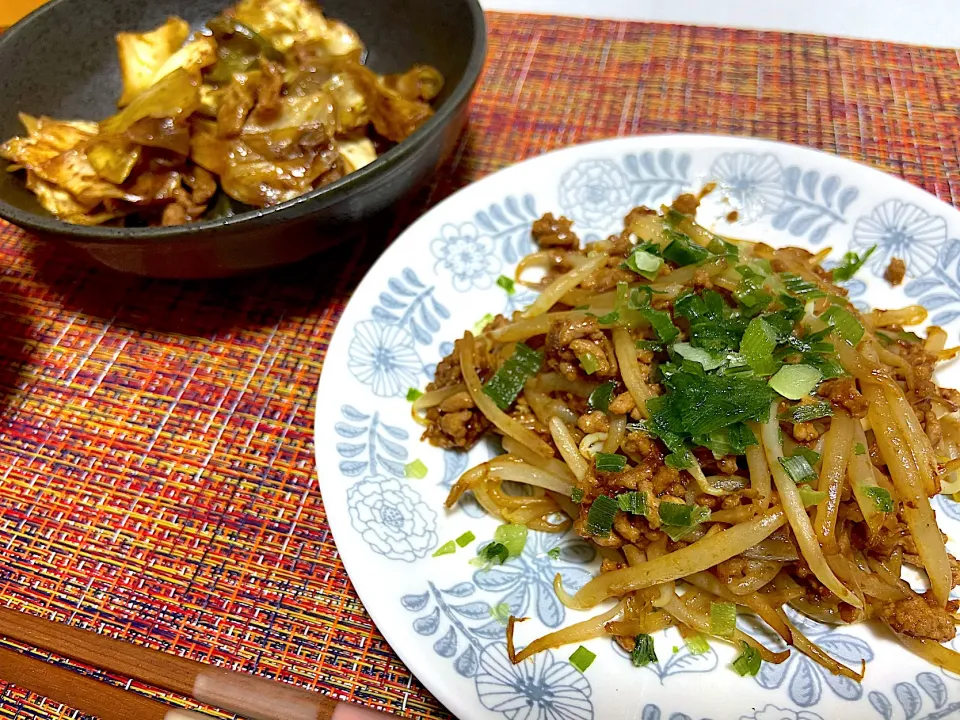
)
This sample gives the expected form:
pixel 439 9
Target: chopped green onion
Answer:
pixel 492 553
pixel 600 398
pixel 698 355
pixel 680 460
pixel 850 265
pixel 847 326
pixel 643 651
pixel 682 250
pixel 465 539
pixel 804 289
pixel 661 323
pixel 501 613
pixel 482 323
pixel 697 644
pixel 757 346
pixel 413 394
pixel 582 659
pixel 748 662
pixel 645 263
pixel 415 469
pixel 812 456
pixel 601 514
pixel 588 361
pixel 807 413
pixel 513 537
pixel 509 380
pixel 609 319
pixel 798 468
pixel 610 462
pixel 554 553
pixel 507 284
pixel 809 496
pixel 633 502
pixel 678 519
pixel 723 619
pixel 859 449
pixel 648 345
pixel 881 498
pixel 576 495
pixel 795 381
pixel 719 246
pixel 448 548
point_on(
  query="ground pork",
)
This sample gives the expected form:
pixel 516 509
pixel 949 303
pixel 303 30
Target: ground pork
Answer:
pixel 551 232
pixel 896 271
pixel 843 392
pixel 919 617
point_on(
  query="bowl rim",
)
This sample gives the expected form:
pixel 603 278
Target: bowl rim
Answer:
pixel 327 194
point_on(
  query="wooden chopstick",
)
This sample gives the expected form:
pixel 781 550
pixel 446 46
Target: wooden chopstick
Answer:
pixel 84 693
pixel 246 695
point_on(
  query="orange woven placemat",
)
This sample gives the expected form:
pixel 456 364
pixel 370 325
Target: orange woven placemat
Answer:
pixel 158 479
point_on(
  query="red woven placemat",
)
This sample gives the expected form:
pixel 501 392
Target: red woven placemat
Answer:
pixel 155 437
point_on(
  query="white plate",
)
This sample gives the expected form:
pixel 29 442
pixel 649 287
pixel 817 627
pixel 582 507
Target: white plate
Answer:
pixel 437 280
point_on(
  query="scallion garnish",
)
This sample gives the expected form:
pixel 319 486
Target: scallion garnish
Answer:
pixel 661 323
pixel 582 659
pixel 723 618
pixel 677 519
pixel 643 652
pixel 413 394
pixel 881 498
pixel 698 355
pixel 633 502
pixel 601 514
pixel 448 548
pixel 648 345
pixel 601 396
pixel 576 495
pixel 482 323
pixel 507 284
pixel 812 456
pixel 757 346
pixel 680 460
pixel 513 537
pixel 719 246
pixel 610 318
pixel 682 250
pixel 697 644
pixel 798 468
pixel 807 413
pixel 415 469
pixel 847 326
pixel 850 265
pixel 509 380
pixel 501 613
pixel 554 553
pixel 748 661
pixel 589 363
pixel 492 553
pixel 804 289
pixel 644 263
pixel 809 496
pixel 610 462
pixel 465 539
pixel 859 449
pixel 795 381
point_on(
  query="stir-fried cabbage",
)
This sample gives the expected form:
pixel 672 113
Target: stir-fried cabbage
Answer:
pixel 269 101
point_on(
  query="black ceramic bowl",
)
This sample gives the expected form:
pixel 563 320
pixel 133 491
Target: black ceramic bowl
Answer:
pixel 61 61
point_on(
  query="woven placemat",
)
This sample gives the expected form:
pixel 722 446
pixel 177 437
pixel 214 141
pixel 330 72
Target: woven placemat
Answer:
pixel 158 477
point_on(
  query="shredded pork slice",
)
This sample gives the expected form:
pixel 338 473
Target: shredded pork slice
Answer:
pixel 551 232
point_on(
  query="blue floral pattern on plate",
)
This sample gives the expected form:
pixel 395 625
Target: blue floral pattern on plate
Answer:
pixel 439 279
